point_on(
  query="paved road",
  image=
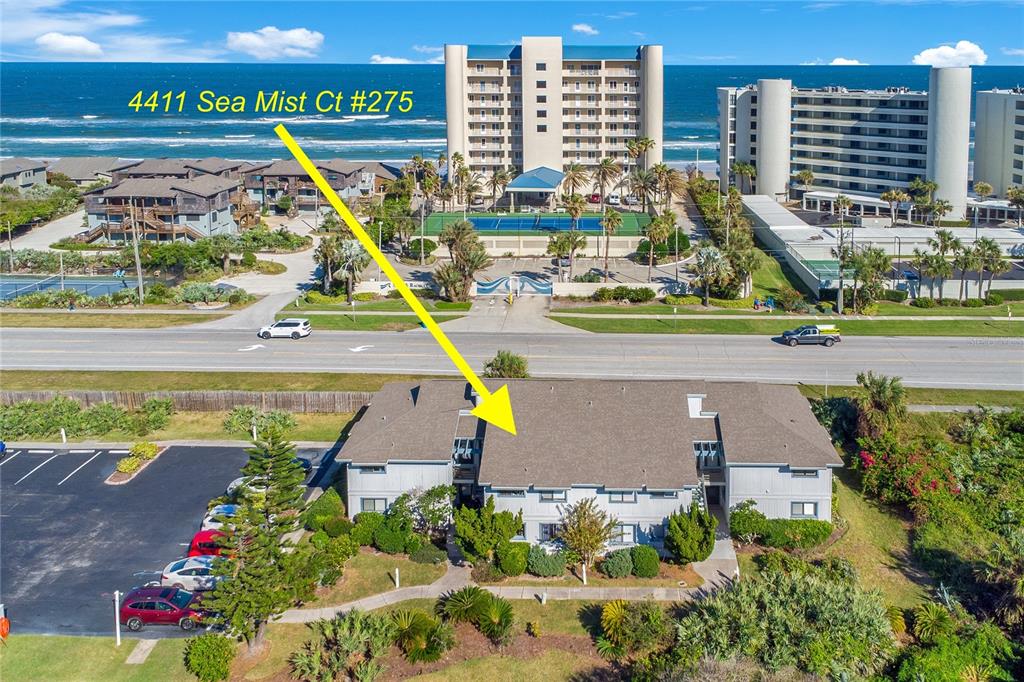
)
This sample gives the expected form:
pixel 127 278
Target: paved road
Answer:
pixel 921 361
pixel 41 237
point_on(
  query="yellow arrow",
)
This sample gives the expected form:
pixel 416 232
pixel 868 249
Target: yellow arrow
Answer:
pixel 495 408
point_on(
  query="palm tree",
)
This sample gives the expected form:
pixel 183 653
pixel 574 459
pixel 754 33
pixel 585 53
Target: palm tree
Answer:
pixel 894 197
pixel 988 254
pixel 657 232
pixel 919 262
pixel 642 184
pixel 575 205
pixel 940 209
pixel 497 182
pixel 326 255
pixel 352 258
pixel 744 262
pixel 633 151
pixel 575 177
pixel 711 267
pixel 644 145
pixel 944 242
pixel 939 268
pixel 446 194
pixel 471 186
pixel 611 222
pixel 672 185
pixel 882 403
pixel 456 235
pixel 921 187
pixel 983 190
pixel 746 171
pixel 1015 195
pixel 965 259
pixel 472 259
pixel 660 172
pixel 805 177
pixel 996 267
pixel 605 175
pixel 843 251
pixel 558 246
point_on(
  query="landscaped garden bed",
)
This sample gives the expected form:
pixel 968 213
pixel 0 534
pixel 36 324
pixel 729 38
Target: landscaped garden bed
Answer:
pixel 139 457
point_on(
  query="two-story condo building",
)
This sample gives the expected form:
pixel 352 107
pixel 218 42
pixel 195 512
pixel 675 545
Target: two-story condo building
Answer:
pixel 855 142
pixel 266 183
pixel 642 449
pixel 542 104
pixel 85 170
pixel 22 173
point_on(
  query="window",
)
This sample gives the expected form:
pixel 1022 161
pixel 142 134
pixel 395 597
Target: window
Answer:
pixel 542 99
pixel 707 453
pixel 552 496
pixel 549 531
pixel 542 113
pixel 804 473
pixel 664 494
pixel 803 510
pixel 542 129
pixel 624 496
pixel 373 504
pixel 541 66
pixel 624 534
pixel 374 469
pixel 163 606
pixel 479 68
pixel 542 84
pixel 511 493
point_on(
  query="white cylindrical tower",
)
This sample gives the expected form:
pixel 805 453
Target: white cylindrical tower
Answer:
pixel 774 103
pixel 455 99
pixel 652 106
pixel 949 134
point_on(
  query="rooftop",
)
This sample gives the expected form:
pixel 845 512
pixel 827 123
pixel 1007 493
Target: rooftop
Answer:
pixel 17 164
pixel 202 185
pixel 85 167
pixel 541 179
pixel 569 52
pixel 615 434
pixel 155 167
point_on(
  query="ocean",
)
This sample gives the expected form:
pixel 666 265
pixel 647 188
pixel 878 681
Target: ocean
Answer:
pixel 50 110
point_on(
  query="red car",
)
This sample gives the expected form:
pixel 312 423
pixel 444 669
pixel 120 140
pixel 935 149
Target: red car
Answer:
pixel 594 198
pixel 159 606
pixel 207 542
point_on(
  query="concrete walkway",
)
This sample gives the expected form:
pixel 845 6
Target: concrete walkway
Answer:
pixel 527 315
pixel 41 237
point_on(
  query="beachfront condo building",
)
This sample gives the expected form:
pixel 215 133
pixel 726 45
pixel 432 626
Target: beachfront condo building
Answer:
pixel 999 139
pixel 855 142
pixel 542 104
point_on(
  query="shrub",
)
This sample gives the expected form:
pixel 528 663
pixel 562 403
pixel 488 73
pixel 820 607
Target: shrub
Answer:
pixel 591 277
pixel 617 564
pixel 643 250
pixel 144 450
pixel 326 506
pixel 690 535
pixel 486 572
pixel 512 557
pixel 104 418
pixel 422 637
pixel 544 565
pixel 604 294
pixel 750 525
pixel 826 307
pixel 533 628
pixel 390 540
pixel 428 247
pixel 198 292
pixel 789 299
pixel 982 653
pixel 365 297
pixel 746 524
pixel 155 413
pixel 993 299
pixel 837 415
pixel 209 657
pixel 336 526
pixel 461 606
pixel 685 299
pixel 1012 294
pixel 949 303
pixel 244 418
pixel 644 626
pixel 429 553
pixel 478 532
pixel 895 295
pixel 249 259
pixel 495 618
pixel 367 524
pixel 974 303
pixel 923 302
pixel 414 541
pixel 646 562
pixel 129 464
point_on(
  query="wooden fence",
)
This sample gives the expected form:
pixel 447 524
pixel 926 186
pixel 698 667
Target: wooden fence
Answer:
pixel 322 402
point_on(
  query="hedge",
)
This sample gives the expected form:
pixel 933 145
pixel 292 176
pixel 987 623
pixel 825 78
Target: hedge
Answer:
pixel 367 524
pixel 336 526
pixel 327 506
pixel 429 554
pixel 129 464
pixel 617 564
pixel 512 557
pixel 749 525
pixel 894 295
pixel 1010 294
pixel 624 293
pixel 646 562
pixel 544 565
pixel 30 419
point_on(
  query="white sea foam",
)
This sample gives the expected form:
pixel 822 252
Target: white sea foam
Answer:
pixel 710 125
pixel 428 122
pixel 367 117
pixel 89 117
pixel 690 145
pixel 222 141
pixel 239 137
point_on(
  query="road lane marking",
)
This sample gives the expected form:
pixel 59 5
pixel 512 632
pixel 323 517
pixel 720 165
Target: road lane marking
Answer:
pixel 79 467
pixel 36 469
pixel 8 459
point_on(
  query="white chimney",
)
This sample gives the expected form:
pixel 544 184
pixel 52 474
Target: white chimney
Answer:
pixel 695 403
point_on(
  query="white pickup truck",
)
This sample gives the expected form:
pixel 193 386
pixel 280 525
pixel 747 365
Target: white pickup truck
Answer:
pixel 826 335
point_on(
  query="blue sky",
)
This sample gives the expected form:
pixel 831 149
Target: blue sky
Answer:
pixel 374 31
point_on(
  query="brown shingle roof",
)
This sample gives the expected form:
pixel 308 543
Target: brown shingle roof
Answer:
pixel 616 434
pixel 156 167
pixel 213 164
pixel 203 185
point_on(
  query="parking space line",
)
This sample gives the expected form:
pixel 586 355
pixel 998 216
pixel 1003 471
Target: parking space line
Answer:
pixel 8 459
pixel 118 452
pixel 40 452
pixel 37 468
pixel 81 452
pixel 80 466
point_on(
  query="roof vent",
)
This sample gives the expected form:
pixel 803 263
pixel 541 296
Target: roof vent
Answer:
pixel 590 403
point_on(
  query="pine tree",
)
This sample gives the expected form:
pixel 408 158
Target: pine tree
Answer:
pixel 690 535
pixel 257 579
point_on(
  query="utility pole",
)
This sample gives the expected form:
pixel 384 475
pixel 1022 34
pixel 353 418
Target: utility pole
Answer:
pixel 135 247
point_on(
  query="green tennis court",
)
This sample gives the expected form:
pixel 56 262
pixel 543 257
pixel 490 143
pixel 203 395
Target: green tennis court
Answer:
pixel 536 224
pixel 826 269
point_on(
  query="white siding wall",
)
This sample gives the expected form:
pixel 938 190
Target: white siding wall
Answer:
pixel 644 513
pixel 773 488
pixel 396 479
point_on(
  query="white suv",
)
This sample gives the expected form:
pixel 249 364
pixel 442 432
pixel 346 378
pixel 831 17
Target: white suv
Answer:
pixel 293 327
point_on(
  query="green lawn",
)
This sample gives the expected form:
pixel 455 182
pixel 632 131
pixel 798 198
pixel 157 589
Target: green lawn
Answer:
pixel 877 542
pixel 772 278
pixel 775 327
pixel 930 396
pixel 889 308
pixel 40 380
pixel 370 572
pixel 109 321
pixel 385 305
pixel 59 659
pixel 368 323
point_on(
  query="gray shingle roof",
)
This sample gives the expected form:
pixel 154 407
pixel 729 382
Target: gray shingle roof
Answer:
pixel 617 434
pixel 17 164
pixel 84 167
pixel 213 164
pixel 156 167
pixel 203 185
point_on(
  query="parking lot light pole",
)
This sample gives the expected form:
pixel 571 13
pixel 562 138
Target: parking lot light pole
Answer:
pixel 117 618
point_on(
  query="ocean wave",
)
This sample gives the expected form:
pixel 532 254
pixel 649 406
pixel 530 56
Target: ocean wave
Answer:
pixel 239 137
pixel 89 117
pixel 295 120
pixel 222 142
pixel 690 145
pixel 367 117
pixel 708 125
pixel 429 122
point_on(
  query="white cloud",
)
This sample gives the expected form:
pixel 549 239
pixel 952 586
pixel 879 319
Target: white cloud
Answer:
pixel 964 53
pixel 618 15
pixel 271 42
pixel 387 59
pixel 1013 51
pixel 843 61
pixel 585 29
pixel 26 20
pixel 64 45
pixel 820 6
pixel 638 34
pixel 427 49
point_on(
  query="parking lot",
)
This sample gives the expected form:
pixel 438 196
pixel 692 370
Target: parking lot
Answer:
pixel 68 540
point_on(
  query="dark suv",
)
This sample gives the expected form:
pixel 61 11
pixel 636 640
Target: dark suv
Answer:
pixel 159 606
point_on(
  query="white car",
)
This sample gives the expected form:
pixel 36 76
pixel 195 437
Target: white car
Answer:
pixel 612 200
pixel 244 484
pixel 632 200
pixel 292 327
pixel 192 574
pixel 215 517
